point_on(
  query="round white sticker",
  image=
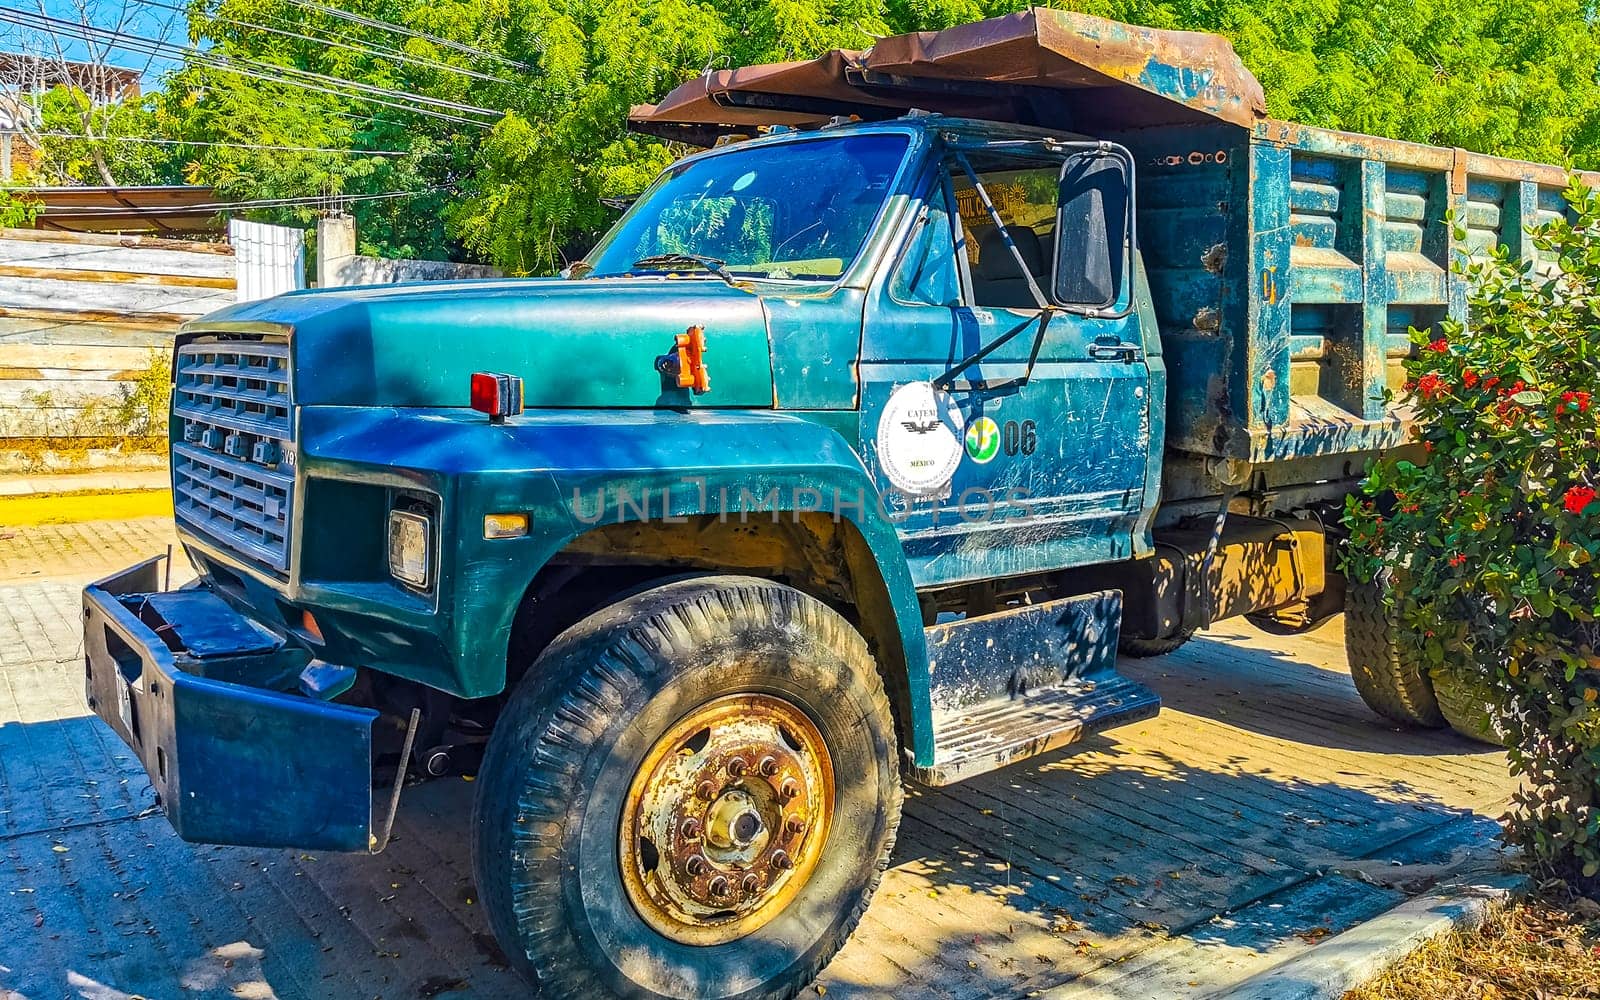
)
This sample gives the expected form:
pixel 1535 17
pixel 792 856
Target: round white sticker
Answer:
pixel 919 439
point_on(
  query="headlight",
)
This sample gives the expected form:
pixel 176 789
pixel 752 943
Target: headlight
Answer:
pixel 409 547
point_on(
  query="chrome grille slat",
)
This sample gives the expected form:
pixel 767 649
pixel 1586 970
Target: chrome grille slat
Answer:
pixel 265 397
pixel 260 481
pixel 235 395
pixel 278 430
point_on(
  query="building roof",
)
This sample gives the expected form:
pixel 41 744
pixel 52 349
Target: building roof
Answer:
pixel 158 209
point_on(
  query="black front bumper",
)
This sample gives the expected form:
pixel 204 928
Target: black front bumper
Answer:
pixel 198 691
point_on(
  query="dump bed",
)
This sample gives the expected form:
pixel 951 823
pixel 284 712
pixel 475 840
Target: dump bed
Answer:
pixel 1287 263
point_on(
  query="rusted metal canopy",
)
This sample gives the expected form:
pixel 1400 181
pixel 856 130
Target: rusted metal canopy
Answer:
pixel 173 208
pixel 1036 67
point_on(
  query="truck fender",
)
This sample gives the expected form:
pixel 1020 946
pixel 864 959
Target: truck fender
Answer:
pixel 754 467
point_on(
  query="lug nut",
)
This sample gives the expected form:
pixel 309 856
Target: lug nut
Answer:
pixel 796 825
pixel 690 828
pixel 788 789
pixel 769 766
pixel 782 861
pixel 750 884
pixel 737 766
pixel 718 886
pixel 695 865
pixel 706 790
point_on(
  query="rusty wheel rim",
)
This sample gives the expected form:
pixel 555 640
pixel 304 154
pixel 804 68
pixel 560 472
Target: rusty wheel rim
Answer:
pixel 726 818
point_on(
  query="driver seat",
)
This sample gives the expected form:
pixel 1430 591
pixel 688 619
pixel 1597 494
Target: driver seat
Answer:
pixel 995 278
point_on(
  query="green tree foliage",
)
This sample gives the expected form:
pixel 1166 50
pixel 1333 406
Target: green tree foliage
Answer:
pixel 66 113
pixel 1514 77
pixel 17 211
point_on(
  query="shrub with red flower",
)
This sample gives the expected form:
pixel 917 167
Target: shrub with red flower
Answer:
pixel 1432 384
pixel 1495 548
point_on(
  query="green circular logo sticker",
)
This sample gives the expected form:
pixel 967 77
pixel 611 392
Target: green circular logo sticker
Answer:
pixel 983 440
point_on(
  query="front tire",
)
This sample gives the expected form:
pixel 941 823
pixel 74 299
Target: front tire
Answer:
pixel 747 708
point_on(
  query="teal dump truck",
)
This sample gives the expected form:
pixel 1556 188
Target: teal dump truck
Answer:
pixel 851 455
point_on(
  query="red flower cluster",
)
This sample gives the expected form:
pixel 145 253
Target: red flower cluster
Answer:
pixel 1571 400
pixel 1439 346
pixel 1432 385
pixel 1577 498
pixel 1469 378
pixel 1457 559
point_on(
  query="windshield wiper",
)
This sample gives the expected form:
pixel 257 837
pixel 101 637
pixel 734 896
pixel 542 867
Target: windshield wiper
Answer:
pixel 668 260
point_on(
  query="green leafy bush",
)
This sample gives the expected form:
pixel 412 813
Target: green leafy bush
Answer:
pixel 16 211
pixel 1492 525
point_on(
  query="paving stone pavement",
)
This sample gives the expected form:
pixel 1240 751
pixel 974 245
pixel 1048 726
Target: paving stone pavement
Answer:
pixel 85 551
pixel 1264 809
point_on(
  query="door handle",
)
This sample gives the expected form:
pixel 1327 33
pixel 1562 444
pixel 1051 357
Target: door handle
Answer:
pixel 1121 351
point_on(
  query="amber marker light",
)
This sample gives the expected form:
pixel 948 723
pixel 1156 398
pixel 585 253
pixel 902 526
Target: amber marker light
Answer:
pixel 310 626
pixel 505 525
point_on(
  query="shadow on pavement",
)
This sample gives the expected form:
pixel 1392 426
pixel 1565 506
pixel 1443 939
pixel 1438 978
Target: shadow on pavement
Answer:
pixel 1246 678
pixel 1011 882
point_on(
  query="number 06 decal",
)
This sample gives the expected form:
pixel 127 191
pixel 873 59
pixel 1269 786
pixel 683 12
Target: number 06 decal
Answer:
pixel 1021 437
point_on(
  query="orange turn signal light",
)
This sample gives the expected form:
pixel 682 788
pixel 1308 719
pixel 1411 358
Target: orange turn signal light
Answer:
pixel 309 624
pixel 505 525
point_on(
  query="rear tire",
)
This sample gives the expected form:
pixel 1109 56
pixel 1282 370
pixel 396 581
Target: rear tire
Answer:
pixel 593 742
pixel 1387 673
pixel 1465 706
pixel 1141 648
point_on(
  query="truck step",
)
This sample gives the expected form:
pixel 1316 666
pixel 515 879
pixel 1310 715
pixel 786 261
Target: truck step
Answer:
pixel 1005 732
pixel 1025 681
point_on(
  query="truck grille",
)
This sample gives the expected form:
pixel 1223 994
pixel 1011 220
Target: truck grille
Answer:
pixel 232 465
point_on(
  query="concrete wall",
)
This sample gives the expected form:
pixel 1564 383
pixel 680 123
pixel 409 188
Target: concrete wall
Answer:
pixel 339 265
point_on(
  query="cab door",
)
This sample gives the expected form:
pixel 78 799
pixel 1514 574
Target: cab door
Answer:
pixel 1049 408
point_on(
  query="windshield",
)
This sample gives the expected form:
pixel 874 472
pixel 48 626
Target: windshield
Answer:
pixel 798 210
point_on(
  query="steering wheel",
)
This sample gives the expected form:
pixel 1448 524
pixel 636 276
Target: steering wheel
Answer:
pixel 777 251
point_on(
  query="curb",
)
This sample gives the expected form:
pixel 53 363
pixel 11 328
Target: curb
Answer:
pixel 1362 953
pixel 85 482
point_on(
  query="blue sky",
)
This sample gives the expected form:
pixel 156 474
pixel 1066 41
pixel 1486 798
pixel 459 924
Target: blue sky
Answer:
pixel 142 20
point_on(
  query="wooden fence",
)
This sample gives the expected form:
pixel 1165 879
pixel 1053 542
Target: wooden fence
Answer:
pixel 86 327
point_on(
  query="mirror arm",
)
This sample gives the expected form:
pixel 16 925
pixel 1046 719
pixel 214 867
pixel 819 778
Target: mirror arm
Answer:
pixel 1000 227
pixel 1046 310
pixel 948 379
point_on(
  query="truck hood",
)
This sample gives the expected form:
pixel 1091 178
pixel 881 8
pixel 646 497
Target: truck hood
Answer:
pixel 590 343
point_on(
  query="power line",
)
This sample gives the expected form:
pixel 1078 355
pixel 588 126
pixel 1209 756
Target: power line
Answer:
pixel 408 32
pixel 269 72
pixel 140 44
pixel 121 37
pixel 222 145
pixel 386 52
pixel 227 206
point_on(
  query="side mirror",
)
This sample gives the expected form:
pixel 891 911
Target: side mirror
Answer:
pixel 1094 228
